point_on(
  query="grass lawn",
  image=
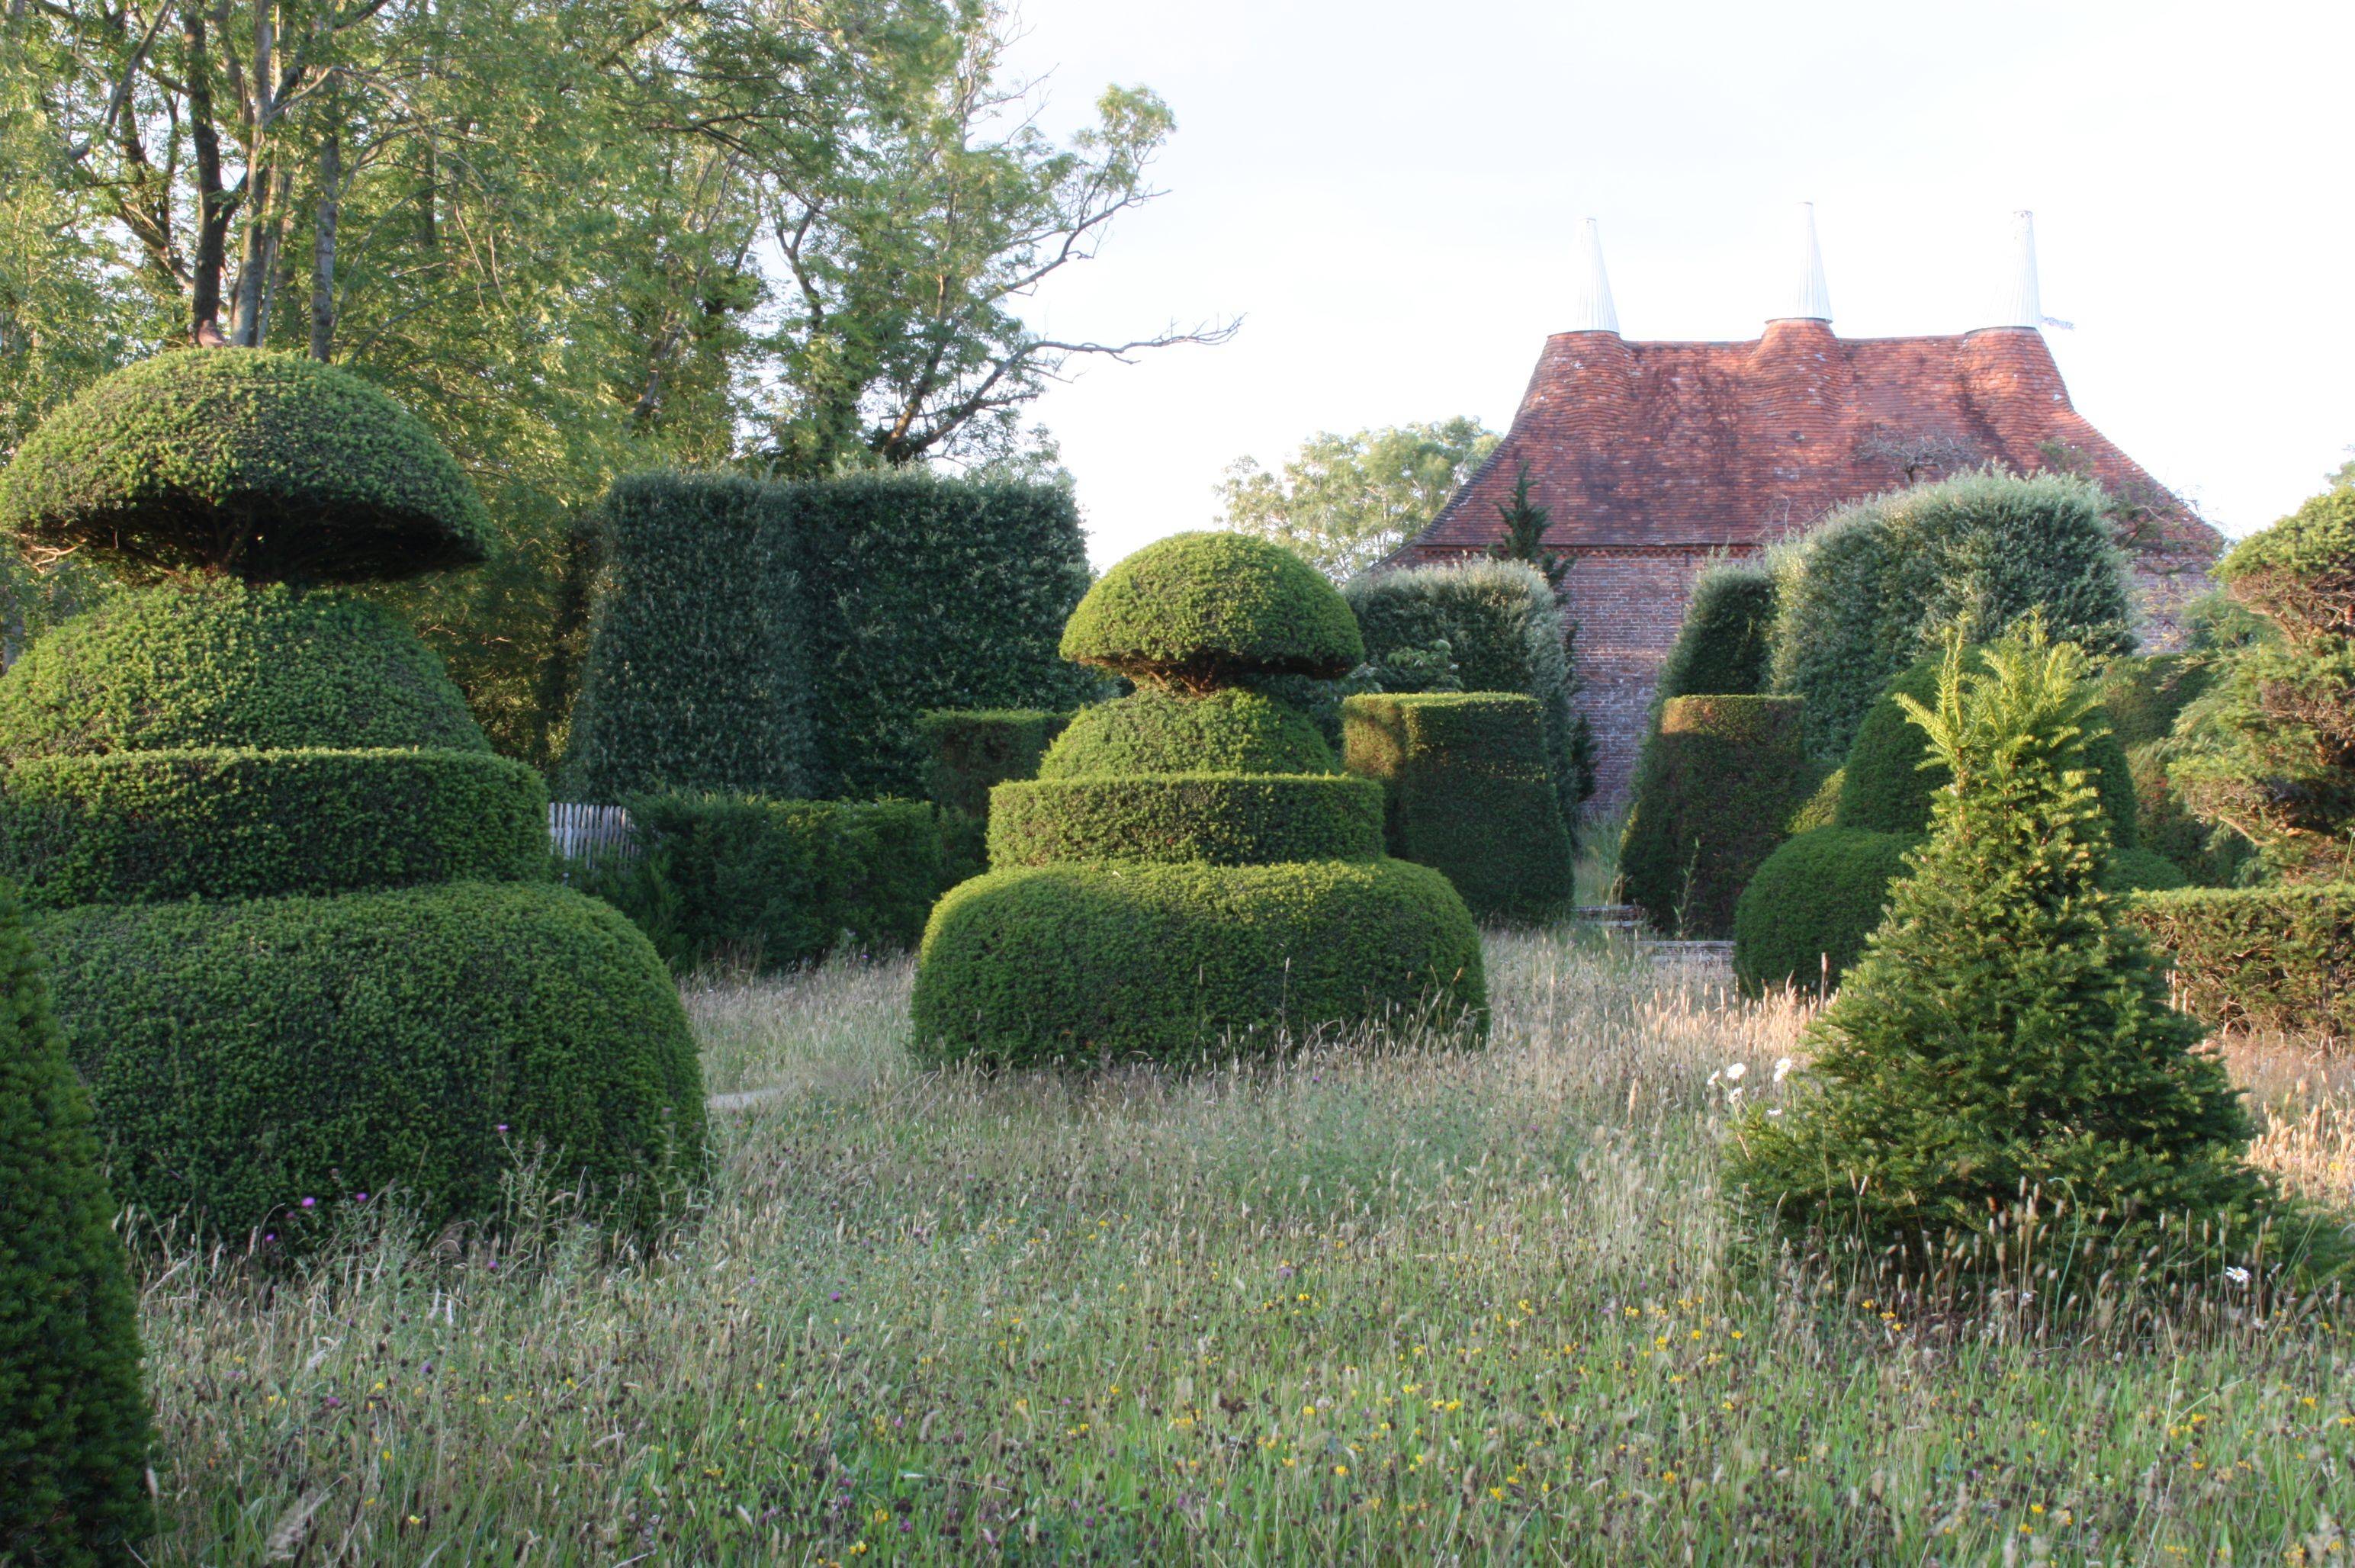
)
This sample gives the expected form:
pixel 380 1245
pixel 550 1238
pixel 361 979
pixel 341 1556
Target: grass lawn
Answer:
pixel 1392 1302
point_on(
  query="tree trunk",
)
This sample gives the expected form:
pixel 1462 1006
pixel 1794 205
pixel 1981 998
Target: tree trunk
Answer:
pixel 214 206
pixel 322 249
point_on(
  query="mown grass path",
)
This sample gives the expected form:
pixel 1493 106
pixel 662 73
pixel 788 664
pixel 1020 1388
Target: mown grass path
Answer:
pixel 1390 1302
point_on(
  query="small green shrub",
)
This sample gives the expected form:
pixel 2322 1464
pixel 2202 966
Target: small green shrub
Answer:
pixel 1504 631
pixel 1805 914
pixel 73 1421
pixel 1155 731
pixel 2276 958
pixel 973 751
pixel 140 826
pixel 2142 870
pixel 1465 792
pixel 1225 819
pixel 1725 643
pixel 224 665
pixel 2001 1078
pixel 1725 774
pixel 773 883
pixel 1081 963
pixel 247 1057
pixel 1885 788
pixel 267 468
pixel 1200 610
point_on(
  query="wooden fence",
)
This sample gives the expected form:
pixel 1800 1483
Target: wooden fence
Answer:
pixel 587 833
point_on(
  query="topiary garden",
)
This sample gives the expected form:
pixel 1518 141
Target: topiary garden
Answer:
pixel 1192 872
pixel 304 950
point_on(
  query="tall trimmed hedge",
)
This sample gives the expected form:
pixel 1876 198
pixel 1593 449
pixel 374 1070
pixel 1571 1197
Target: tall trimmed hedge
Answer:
pixel 140 826
pixel 772 883
pixel 971 751
pixel 245 1057
pixel 749 636
pixel 1465 792
pixel 2280 959
pixel 73 1420
pixel 1504 631
pixel 1726 774
pixel 1867 592
pixel 1725 643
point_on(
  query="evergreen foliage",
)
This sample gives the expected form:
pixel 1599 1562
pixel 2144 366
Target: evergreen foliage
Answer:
pixel 2277 958
pixel 221 664
pixel 1725 643
pixel 1157 731
pixel 73 1420
pixel 1504 631
pixel 1524 538
pixel 2003 1059
pixel 2143 695
pixel 1725 776
pixel 1214 818
pixel 768 884
pixel 2270 752
pixel 971 751
pixel 1804 914
pixel 266 467
pixel 1465 792
pixel 246 1056
pixel 135 826
pixel 1820 806
pixel 1196 612
pixel 1869 591
pixel 2209 855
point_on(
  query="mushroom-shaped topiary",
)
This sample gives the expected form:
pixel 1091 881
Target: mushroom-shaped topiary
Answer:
pixel 267 468
pixel 1196 611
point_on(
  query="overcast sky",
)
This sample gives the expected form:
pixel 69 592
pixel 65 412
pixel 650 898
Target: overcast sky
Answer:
pixel 1389 194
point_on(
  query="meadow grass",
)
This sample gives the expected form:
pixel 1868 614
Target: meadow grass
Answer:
pixel 1390 1300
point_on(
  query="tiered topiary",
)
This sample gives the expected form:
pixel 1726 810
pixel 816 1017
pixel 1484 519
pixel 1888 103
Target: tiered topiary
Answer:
pixel 1191 872
pixel 305 947
pixel 1465 792
pixel 73 1423
pixel 2002 1081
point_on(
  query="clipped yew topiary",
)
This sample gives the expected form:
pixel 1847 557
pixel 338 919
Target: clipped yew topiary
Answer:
pixel 1190 873
pixel 265 468
pixel 1465 792
pixel 2001 1078
pixel 971 751
pixel 2280 959
pixel 1803 918
pixel 1724 774
pixel 73 1421
pixel 1724 645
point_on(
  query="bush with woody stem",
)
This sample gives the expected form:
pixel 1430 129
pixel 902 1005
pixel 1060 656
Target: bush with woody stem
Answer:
pixel 2003 1065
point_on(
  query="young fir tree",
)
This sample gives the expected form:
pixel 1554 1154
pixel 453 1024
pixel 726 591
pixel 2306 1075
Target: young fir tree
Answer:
pixel 73 1423
pixel 2005 1048
pixel 1525 526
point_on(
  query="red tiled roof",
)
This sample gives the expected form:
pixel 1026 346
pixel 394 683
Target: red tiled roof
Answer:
pixel 1738 443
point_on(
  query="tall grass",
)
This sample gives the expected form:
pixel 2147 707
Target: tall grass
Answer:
pixel 1390 1300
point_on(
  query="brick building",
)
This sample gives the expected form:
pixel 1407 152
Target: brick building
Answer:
pixel 1653 456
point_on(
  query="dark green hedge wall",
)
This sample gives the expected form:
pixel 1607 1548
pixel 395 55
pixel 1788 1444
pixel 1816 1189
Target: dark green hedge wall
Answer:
pixel 972 750
pixel 1506 632
pixel 1724 776
pixel 1813 902
pixel 245 1057
pixel 1152 731
pixel 219 664
pixel 140 826
pixel 2268 958
pixel 1081 963
pixel 738 880
pixel 1465 792
pixel 73 1420
pixel 1228 819
pixel 1724 643
pixel 697 671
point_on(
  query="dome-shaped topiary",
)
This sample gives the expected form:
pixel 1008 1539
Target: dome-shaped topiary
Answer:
pixel 260 466
pixel 1155 731
pixel 225 664
pixel 73 1423
pixel 1803 918
pixel 1198 609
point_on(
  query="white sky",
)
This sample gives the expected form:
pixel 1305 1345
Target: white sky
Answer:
pixel 1389 193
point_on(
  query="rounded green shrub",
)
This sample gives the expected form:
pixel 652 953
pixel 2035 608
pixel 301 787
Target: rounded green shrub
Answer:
pixel 1725 643
pixel 1226 819
pixel 140 826
pixel 1465 792
pixel 1155 731
pixel 1885 789
pixel 262 466
pixel 73 1422
pixel 1808 910
pixel 225 664
pixel 1722 775
pixel 2143 872
pixel 1080 964
pixel 1201 609
pixel 247 1057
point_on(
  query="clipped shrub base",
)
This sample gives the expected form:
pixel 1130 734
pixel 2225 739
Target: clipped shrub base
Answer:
pixel 1226 819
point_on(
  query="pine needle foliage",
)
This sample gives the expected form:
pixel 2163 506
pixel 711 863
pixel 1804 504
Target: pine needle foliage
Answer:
pixel 1525 526
pixel 2001 1081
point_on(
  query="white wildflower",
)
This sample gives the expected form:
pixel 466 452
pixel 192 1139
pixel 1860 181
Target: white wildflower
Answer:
pixel 1781 1068
pixel 2238 1275
pixel 1734 1069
